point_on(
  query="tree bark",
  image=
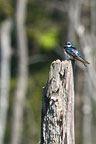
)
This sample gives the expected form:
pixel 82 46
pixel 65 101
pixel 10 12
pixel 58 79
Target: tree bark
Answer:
pixel 87 42
pixel 57 126
pixel 22 74
pixel 5 45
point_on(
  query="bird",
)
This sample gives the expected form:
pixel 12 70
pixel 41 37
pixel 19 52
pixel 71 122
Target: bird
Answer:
pixel 73 53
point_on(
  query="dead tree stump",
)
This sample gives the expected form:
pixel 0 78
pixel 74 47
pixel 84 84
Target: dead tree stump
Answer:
pixel 57 123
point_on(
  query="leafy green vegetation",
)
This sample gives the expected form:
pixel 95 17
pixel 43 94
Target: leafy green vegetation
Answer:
pixel 48 39
pixel 6 9
pixel 32 112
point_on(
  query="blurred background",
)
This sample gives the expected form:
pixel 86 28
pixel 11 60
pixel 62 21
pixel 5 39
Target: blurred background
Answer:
pixel 32 35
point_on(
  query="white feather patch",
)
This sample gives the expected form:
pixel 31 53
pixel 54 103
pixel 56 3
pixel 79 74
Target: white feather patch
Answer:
pixel 67 56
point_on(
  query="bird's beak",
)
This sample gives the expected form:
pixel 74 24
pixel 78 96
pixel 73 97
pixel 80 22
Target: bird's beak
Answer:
pixel 65 46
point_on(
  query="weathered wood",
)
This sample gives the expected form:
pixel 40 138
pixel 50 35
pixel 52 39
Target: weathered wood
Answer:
pixel 57 124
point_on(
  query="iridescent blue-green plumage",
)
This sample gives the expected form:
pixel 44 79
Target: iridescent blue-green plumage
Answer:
pixel 74 53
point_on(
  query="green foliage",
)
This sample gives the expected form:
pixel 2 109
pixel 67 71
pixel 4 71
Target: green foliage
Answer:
pixel 10 110
pixel 5 9
pixel 32 112
pixel 35 12
pixel 40 27
pixel 48 39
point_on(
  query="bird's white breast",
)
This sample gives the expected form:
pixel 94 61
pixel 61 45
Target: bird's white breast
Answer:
pixel 67 56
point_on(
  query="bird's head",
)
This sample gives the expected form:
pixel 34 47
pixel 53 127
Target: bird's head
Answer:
pixel 68 44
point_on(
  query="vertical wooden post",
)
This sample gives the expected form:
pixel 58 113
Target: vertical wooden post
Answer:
pixel 57 124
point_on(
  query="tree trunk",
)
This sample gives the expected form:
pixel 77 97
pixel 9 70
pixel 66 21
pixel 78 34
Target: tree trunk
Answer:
pixel 5 44
pixel 88 43
pixel 22 74
pixel 57 126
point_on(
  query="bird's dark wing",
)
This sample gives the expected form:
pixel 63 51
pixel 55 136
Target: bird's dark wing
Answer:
pixel 71 51
pixel 77 55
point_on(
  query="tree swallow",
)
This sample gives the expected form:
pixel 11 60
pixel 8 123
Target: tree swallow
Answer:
pixel 73 53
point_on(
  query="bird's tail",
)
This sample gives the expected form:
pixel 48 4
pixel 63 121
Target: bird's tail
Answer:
pixel 83 60
pixel 86 62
